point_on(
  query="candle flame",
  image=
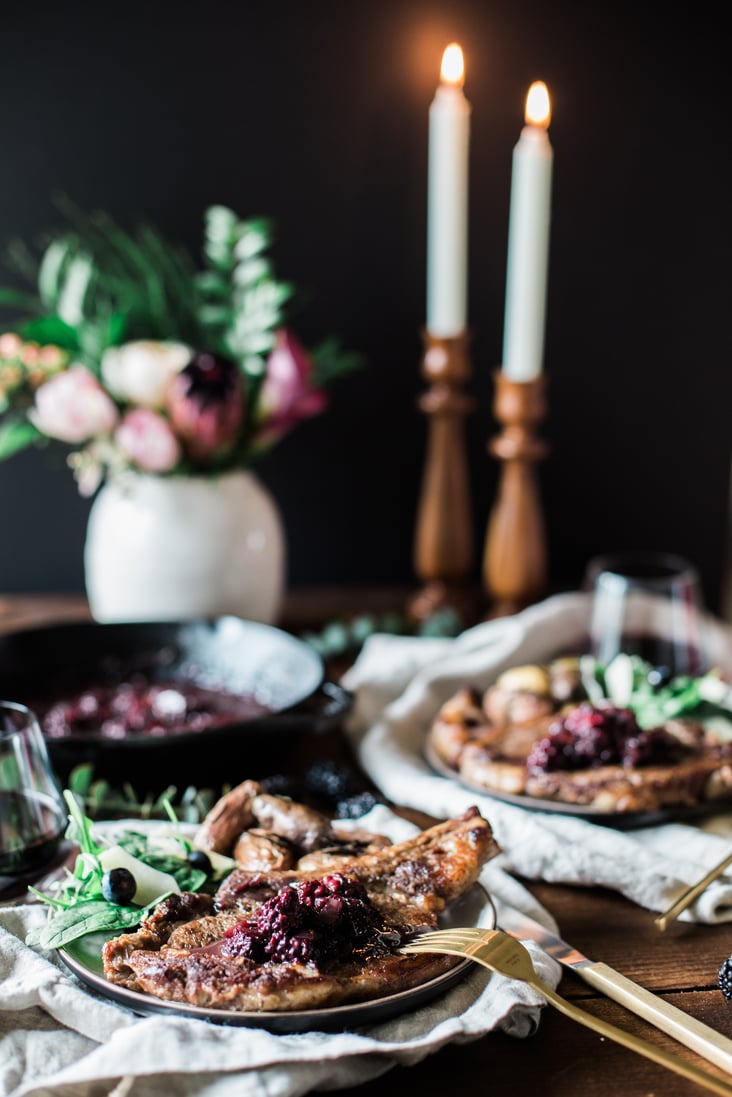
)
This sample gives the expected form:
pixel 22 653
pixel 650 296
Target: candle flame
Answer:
pixel 452 70
pixel 538 109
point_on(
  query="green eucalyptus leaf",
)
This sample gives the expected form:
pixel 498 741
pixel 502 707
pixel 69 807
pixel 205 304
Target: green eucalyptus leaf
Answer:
pixel 251 244
pixel 52 329
pixel 20 259
pixel 116 327
pixel 73 286
pixel 50 272
pixel 331 359
pixel 13 298
pixel 251 271
pixel 15 435
pixel 218 315
pixel 211 282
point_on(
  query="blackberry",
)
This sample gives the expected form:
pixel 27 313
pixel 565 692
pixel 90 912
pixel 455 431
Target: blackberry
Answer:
pixel 590 735
pixel 311 922
pixel 725 978
pixel 280 785
pixel 331 780
pixel 654 747
pixel 353 807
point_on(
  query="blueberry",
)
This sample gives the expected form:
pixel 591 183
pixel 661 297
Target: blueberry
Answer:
pixel 119 886
pixel 330 780
pixel 353 807
pixel 200 860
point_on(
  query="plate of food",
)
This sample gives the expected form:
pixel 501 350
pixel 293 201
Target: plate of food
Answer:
pixel 621 744
pixel 207 922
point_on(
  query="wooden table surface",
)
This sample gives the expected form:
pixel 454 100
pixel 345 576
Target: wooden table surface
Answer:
pixel 562 1059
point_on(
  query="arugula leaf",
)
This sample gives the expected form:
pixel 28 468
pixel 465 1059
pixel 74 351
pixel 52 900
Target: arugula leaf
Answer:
pixel 79 907
pixel 626 681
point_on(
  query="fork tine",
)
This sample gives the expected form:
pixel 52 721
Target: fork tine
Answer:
pixel 449 950
pixel 452 935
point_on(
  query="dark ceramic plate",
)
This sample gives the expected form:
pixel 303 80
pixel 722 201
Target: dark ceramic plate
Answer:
pixel 83 957
pixel 619 820
pixel 53 662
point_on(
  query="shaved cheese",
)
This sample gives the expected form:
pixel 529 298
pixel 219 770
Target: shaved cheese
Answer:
pixel 151 883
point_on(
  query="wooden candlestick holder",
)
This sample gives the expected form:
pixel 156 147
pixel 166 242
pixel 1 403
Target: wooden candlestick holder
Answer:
pixel 444 548
pixel 515 558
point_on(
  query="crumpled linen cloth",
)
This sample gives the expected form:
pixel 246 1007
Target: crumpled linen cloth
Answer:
pixel 400 683
pixel 59 1038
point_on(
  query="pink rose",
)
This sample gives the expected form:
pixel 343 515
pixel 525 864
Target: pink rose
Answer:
pixel 72 407
pixel 147 440
pixel 287 394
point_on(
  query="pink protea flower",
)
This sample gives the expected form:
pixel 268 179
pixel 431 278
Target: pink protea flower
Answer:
pixel 146 439
pixel 73 407
pixel 206 402
pixel 287 394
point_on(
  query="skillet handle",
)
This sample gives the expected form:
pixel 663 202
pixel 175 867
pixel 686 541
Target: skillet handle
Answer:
pixel 320 712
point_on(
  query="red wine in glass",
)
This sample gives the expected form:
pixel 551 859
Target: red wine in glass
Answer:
pixel 32 812
pixel 30 831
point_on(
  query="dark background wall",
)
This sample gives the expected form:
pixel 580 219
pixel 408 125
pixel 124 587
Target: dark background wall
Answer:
pixel 316 113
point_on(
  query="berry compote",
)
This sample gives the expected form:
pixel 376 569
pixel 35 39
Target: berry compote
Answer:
pixel 589 736
pixel 311 922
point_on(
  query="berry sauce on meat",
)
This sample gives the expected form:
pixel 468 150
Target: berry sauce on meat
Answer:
pixel 589 736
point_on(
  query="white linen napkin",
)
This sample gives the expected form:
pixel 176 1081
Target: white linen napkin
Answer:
pixel 59 1038
pixel 400 683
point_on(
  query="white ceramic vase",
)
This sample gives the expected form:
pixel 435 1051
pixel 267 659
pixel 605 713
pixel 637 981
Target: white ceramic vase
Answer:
pixel 161 548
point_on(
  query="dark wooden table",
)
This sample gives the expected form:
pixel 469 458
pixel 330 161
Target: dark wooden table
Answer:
pixel 562 1059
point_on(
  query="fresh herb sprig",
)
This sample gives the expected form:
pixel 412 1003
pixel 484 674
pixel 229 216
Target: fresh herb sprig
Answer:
pixel 79 907
pixel 101 800
pixel 631 682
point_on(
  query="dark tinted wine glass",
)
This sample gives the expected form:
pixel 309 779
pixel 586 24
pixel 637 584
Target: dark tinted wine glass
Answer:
pixel 32 813
pixel 647 604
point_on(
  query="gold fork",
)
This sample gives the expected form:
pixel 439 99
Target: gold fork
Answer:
pixel 692 893
pixel 502 953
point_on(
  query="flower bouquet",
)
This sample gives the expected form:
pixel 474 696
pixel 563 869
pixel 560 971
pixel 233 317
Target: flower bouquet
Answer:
pixel 136 360
pixel 165 382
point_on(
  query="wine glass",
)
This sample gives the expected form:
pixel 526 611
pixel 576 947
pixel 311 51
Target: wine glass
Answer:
pixel 32 812
pixel 647 604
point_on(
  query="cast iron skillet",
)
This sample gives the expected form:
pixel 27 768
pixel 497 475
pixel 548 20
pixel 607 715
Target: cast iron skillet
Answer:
pixel 52 662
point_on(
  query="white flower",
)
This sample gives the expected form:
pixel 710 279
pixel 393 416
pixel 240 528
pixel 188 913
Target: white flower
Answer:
pixel 72 407
pixel 140 372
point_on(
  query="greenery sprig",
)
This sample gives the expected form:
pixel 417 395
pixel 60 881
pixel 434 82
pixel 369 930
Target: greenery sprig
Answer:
pixel 124 346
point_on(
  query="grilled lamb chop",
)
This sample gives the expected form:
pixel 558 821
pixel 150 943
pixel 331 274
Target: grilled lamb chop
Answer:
pixel 292 940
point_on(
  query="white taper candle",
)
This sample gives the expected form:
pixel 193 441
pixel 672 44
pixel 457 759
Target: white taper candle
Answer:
pixel 528 242
pixel 447 201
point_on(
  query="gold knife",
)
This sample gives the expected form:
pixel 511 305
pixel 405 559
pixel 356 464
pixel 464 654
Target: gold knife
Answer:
pixel 702 1039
